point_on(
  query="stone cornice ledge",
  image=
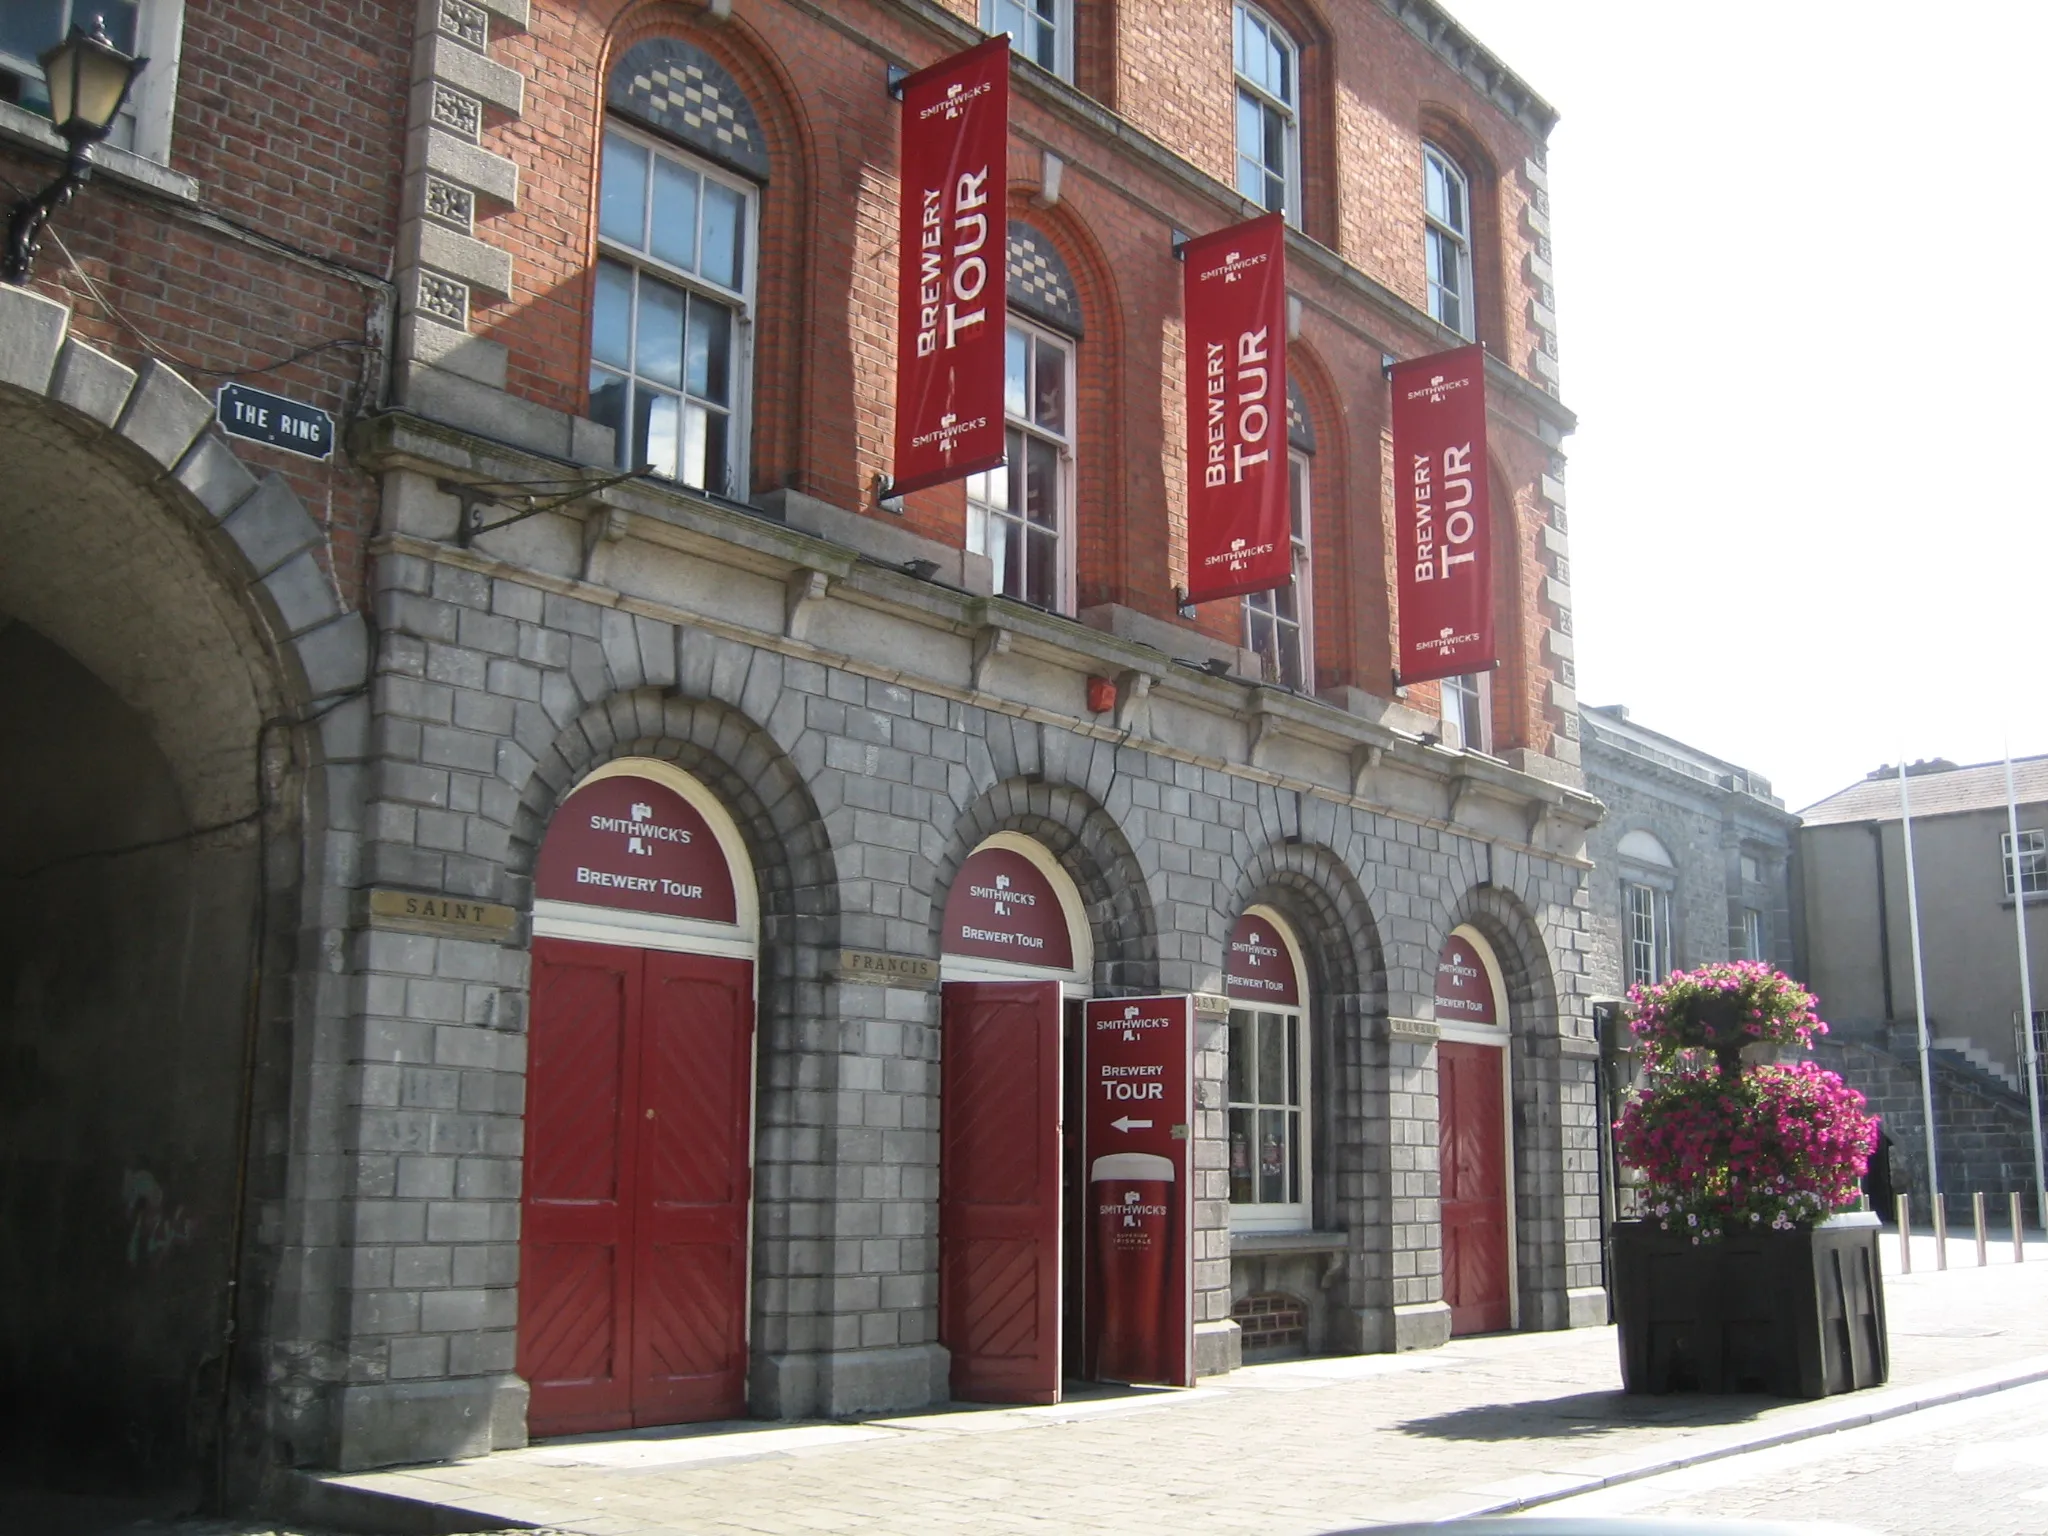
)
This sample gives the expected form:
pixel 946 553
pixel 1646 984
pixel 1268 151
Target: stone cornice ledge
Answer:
pixel 1534 808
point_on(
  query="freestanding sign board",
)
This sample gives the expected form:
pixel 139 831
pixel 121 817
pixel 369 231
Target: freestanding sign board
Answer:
pixel 1138 1074
pixel 1443 517
pixel 953 234
pixel 1235 301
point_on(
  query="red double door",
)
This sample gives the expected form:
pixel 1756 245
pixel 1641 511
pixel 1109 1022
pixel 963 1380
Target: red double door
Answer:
pixel 1472 1158
pixel 633 1249
pixel 999 1190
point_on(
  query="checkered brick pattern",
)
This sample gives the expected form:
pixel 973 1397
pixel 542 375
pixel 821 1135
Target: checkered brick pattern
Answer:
pixel 1040 284
pixel 687 94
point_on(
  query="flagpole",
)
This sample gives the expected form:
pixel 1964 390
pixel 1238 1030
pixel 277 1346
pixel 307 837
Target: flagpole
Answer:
pixel 1920 997
pixel 2029 1046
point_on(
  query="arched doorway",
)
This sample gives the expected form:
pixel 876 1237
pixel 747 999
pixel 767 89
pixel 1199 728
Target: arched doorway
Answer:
pixel 636 1212
pixel 1473 1136
pixel 1015 950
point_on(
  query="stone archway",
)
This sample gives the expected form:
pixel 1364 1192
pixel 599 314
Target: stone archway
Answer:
pixel 168 640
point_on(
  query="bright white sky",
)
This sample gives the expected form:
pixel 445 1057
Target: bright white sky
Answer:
pixel 1802 306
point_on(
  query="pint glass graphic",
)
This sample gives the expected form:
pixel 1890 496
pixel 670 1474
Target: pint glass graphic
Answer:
pixel 1134 1238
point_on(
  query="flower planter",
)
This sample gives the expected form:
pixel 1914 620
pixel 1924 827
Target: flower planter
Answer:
pixel 1796 1313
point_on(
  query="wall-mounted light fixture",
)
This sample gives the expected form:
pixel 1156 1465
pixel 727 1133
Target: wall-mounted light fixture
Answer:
pixel 89 79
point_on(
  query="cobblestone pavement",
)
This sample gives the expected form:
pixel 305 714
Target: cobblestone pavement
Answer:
pixel 1285 1449
pixel 1294 1447
pixel 1974 1468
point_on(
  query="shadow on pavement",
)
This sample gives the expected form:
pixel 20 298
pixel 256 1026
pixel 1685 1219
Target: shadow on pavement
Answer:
pixel 1584 1414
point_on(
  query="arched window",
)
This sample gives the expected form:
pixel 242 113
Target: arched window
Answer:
pixel 671 336
pixel 1021 515
pixel 1268 113
pixel 1279 625
pixel 1447 210
pixel 1268 1076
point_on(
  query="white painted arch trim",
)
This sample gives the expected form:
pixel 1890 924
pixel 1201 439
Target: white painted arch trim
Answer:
pixel 738 940
pixel 1077 982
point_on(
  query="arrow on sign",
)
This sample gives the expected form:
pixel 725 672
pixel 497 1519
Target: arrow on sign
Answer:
pixel 1127 1125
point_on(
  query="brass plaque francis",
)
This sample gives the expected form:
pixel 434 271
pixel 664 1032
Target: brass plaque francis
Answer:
pixel 442 916
pixel 871 965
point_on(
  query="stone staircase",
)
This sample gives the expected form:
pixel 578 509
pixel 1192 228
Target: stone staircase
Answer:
pixel 1983 1134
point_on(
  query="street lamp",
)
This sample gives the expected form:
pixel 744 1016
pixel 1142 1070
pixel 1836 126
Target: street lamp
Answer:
pixel 89 79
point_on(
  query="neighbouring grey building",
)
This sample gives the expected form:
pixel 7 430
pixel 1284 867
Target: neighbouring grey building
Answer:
pixel 1858 956
pixel 1692 862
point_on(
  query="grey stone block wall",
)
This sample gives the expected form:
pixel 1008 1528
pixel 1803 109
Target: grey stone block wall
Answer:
pixel 1707 814
pixel 858 798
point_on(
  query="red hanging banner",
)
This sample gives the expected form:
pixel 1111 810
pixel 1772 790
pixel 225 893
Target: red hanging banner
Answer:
pixel 1443 517
pixel 1235 302
pixel 952 279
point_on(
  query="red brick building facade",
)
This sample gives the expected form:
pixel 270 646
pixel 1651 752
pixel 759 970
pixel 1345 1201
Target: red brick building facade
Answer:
pixel 520 249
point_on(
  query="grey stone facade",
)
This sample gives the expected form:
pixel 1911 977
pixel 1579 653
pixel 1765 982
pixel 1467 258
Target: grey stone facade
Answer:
pixel 1708 816
pixel 867 730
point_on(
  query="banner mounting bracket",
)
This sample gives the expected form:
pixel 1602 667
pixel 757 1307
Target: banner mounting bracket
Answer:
pixel 1180 244
pixel 1387 361
pixel 893 80
pixel 1181 605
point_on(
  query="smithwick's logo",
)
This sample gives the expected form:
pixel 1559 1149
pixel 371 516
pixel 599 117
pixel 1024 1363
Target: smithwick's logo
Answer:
pixel 1233 267
pixel 956 99
pixel 950 427
pixel 1131 1210
pixel 1447 639
pixel 1240 554
pixel 1001 894
pixel 640 828
pixel 1437 388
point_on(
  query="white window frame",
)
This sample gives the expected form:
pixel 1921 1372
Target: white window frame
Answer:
pixel 1243 14
pixel 1264 606
pixel 739 449
pixel 2033 861
pixel 1062 26
pixel 1478 687
pixel 1645 933
pixel 1063 560
pixel 144 126
pixel 1753 943
pixel 1290 1215
pixel 1436 230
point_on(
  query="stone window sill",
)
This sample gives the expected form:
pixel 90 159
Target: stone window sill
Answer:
pixel 20 126
pixel 1289 1242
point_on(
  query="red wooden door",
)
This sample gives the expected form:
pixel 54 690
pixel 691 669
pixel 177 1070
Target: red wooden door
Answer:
pixel 633 1251
pixel 999 1190
pixel 1472 1156
pixel 692 1187
pixel 575 1247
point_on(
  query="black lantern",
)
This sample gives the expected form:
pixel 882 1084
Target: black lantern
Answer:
pixel 89 79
